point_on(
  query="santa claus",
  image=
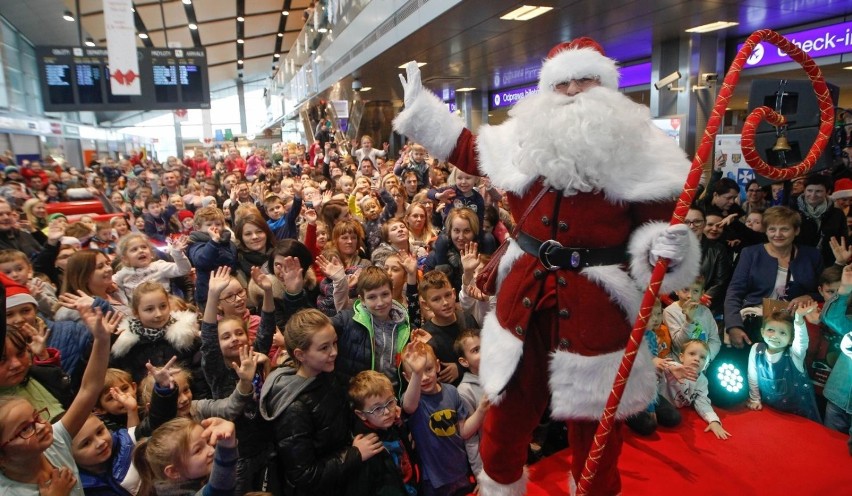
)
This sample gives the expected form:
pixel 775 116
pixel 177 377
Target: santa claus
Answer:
pixel 601 181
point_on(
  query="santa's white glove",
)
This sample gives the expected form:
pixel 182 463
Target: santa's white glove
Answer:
pixel 411 86
pixel 672 244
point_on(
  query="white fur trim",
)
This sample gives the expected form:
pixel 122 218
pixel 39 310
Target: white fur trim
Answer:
pixel 181 334
pixel 577 64
pixel 429 122
pixel 620 287
pixel 495 144
pixel 580 385
pixel 513 253
pixel 598 140
pixel 125 341
pixel 490 487
pixel 500 353
pixel 680 275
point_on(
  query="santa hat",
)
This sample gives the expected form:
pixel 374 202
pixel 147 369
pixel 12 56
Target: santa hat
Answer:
pixel 842 189
pixel 185 214
pixel 580 58
pixel 15 293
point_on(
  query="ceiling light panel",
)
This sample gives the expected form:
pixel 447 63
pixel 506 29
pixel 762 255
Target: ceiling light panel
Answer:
pixel 713 26
pixel 526 12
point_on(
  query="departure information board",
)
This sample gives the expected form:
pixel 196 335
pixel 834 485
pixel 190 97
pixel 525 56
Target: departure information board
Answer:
pixel 75 78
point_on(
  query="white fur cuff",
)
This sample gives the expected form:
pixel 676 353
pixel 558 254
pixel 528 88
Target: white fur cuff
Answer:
pixel 580 385
pixel 679 276
pixel 429 122
pixel 499 356
pixel 490 487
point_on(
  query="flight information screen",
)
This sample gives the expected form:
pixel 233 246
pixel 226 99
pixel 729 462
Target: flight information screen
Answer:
pixel 58 80
pixel 78 78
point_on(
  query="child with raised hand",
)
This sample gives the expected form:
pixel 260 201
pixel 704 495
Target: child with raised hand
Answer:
pixel 104 455
pixel 221 340
pixel 155 333
pixel 210 247
pixel 36 456
pixel 116 405
pixel 310 413
pixel 393 471
pixel 684 392
pixel 688 319
pixel 186 457
pixel 838 388
pixel 439 422
pixel 776 367
pixel 166 394
pixel 221 345
pixel 140 263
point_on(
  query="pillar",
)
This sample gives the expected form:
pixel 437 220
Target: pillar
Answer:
pixel 693 55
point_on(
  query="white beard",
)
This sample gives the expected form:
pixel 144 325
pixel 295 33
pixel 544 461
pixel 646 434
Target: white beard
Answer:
pixel 577 143
pixel 597 141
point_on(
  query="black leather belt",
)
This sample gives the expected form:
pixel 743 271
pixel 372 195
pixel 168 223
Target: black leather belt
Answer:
pixel 554 256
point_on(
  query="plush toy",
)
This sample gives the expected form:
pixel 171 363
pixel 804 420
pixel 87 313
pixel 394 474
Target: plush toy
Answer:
pixel 570 282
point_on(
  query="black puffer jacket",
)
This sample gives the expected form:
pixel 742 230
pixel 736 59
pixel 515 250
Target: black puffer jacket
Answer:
pixel 717 266
pixel 312 424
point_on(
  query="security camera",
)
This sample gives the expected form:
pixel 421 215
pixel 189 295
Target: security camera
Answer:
pixel 356 85
pixel 670 79
pixel 709 77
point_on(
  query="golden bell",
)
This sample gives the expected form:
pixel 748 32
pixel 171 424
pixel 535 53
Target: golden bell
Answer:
pixel 781 145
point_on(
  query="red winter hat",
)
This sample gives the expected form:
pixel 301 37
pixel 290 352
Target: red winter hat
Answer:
pixel 842 189
pixel 577 59
pixel 16 294
pixel 185 214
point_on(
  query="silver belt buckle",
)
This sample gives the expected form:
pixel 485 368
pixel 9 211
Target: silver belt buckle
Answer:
pixel 544 251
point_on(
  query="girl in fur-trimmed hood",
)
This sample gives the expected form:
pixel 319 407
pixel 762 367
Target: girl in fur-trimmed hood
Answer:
pixel 155 333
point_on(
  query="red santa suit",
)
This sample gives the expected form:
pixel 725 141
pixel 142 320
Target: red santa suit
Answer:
pixel 610 174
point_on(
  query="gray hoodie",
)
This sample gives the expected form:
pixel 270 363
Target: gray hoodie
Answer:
pixel 471 393
pixel 280 389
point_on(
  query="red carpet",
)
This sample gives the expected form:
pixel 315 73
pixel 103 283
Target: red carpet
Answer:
pixel 770 453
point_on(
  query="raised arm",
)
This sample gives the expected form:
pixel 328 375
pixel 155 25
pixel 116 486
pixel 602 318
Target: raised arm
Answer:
pixel 102 328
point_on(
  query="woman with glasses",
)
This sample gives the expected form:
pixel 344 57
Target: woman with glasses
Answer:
pixel 35 456
pixel 716 260
pixel 779 269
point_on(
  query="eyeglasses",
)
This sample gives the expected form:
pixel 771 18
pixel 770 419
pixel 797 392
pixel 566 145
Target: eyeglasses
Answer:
pixel 382 410
pixel 239 295
pixel 694 223
pixel 753 190
pixel 39 417
pixel 581 83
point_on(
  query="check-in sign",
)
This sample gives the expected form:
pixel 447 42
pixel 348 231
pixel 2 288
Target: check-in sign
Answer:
pixel 819 42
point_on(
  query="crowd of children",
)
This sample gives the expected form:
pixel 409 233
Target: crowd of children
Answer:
pixel 310 326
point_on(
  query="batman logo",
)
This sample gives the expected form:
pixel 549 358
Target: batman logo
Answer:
pixel 444 423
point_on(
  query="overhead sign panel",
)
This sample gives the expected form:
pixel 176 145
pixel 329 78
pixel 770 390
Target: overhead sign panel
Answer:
pixel 820 42
pixel 79 78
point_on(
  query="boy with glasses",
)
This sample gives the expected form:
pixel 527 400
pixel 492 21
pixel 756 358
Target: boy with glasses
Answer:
pixel 394 470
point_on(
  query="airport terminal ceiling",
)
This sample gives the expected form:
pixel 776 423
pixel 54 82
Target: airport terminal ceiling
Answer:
pixel 462 47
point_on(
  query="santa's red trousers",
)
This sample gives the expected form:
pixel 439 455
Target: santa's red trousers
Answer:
pixel 509 426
